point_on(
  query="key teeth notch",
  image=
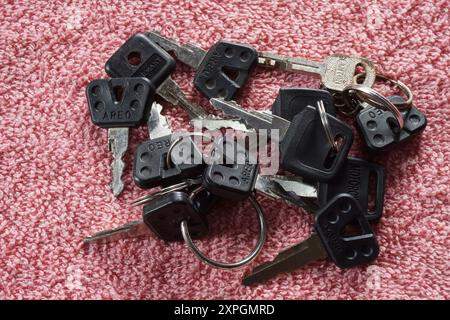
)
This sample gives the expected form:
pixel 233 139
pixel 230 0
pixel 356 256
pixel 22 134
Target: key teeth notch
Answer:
pixel 330 222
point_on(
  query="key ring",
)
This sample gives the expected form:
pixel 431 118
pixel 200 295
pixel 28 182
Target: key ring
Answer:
pixel 371 96
pixel 177 141
pixel 403 106
pixel 228 265
pixel 176 187
pixel 326 124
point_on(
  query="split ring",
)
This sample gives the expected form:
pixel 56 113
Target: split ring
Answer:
pixel 326 124
pixel 177 141
pixel 402 106
pixel 230 265
pixel 372 97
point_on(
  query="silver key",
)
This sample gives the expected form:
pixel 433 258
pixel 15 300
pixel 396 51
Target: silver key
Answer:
pixel 291 189
pixel 157 124
pixel 188 54
pixel 117 145
pixel 212 122
pixel 259 119
pixel 176 187
pixel 253 119
pixel 336 72
pixel 170 91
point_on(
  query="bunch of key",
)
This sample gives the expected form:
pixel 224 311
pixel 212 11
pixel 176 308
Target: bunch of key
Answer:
pixel 345 194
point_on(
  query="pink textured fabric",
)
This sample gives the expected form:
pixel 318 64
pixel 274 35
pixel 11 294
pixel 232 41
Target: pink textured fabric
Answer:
pixel 55 172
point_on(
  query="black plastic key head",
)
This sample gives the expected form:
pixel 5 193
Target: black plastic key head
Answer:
pixel 236 182
pixel 355 178
pixel 119 102
pixel 141 57
pixel 235 176
pixel 165 214
pixel 378 128
pixel 380 131
pixel 204 201
pixel 335 225
pixel 415 121
pixel 291 101
pixel 224 70
pixel 150 167
pixel 306 151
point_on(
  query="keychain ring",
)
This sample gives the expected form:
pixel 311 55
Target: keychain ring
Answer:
pixel 177 141
pixel 402 106
pixel 372 96
pixel 229 265
pixel 326 124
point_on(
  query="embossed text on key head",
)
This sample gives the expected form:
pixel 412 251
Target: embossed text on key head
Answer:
pixel 340 69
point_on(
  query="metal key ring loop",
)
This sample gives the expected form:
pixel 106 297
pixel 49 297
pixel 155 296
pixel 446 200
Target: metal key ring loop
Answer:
pixel 326 124
pixel 196 191
pixel 232 265
pixel 177 141
pixel 371 96
pixel 402 106
pixel 341 105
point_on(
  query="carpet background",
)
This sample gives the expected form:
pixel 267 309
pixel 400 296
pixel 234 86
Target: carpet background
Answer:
pixel 54 164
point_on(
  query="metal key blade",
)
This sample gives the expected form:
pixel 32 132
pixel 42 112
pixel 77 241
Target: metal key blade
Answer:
pixel 130 230
pixel 179 186
pixel 188 54
pixel 270 60
pixel 254 119
pixel 170 91
pixel 157 124
pixel 214 123
pixel 336 72
pixel 118 145
pixel 288 260
pixel 292 189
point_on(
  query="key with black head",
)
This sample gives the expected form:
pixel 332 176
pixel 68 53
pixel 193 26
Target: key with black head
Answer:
pixel 151 167
pixel 232 175
pixel 335 237
pixel 163 216
pixel 291 189
pixel 379 127
pixel 357 177
pixel 219 72
pixel 292 101
pixel 140 56
pixel 237 176
pixel 118 104
pixel 305 148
